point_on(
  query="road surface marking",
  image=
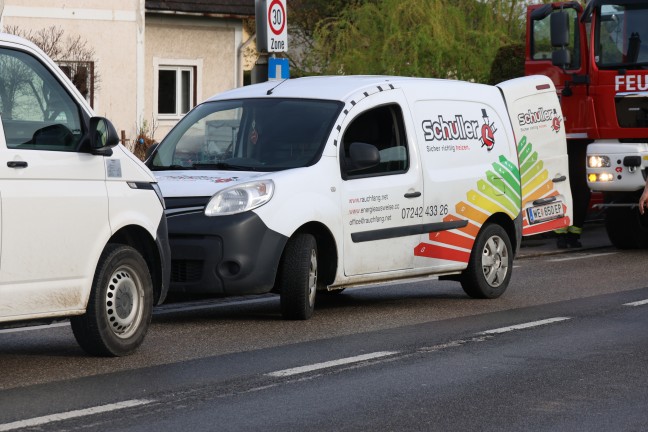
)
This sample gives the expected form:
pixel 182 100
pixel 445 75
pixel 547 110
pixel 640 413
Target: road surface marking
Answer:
pixel 330 364
pixel 36 327
pixel 524 326
pixel 39 421
pixel 581 257
pixel 637 303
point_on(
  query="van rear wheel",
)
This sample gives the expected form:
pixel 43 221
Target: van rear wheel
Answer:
pixel 489 267
pixel 298 277
pixel 120 305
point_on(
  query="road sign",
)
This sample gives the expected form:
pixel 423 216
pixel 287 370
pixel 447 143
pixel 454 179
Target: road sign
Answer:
pixel 278 68
pixel 272 25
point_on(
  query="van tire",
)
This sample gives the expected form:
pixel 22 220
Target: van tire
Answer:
pixel 298 277
pixel 490 264
pixel 108 328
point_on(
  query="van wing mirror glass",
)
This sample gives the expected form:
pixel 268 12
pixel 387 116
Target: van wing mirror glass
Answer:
pixel 103 135
pixel 363 156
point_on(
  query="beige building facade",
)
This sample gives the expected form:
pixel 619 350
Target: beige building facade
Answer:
pixel 154 60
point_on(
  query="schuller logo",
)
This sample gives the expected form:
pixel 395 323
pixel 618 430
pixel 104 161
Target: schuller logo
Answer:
pixel 487 132
pixel 460 129
pixel 541 115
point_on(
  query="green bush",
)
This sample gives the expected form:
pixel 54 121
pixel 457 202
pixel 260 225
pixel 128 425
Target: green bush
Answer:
pixel 508 63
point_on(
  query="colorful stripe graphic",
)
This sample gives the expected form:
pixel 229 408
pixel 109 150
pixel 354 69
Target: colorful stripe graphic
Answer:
pixel 504 189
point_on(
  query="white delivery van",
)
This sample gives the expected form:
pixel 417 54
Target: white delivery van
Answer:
pixel 82 227
pixel 325 183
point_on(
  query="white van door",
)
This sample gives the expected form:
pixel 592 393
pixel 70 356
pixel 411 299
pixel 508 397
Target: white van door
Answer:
pixel 382 205
pixel 54 198
pixel 539 130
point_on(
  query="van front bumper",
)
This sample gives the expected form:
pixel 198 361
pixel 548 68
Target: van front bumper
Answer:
pixel 229 255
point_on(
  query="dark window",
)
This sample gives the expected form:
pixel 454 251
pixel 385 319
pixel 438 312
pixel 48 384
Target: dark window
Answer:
pixel 383 128
pixel 37 111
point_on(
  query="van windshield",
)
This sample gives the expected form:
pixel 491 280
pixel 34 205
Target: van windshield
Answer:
pixel 249 134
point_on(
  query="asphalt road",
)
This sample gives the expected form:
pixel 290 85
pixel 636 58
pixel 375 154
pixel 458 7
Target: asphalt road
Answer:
pixel 564 349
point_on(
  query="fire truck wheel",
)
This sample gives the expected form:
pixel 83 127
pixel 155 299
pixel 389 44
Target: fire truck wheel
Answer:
pixel 627 228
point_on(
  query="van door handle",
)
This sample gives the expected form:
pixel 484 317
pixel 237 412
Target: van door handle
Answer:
pixel 412 194
pixel 559 179
pixel 542 201
pixel 17 164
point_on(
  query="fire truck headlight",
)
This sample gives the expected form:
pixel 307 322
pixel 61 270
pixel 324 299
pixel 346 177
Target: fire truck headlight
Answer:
pixel 598 161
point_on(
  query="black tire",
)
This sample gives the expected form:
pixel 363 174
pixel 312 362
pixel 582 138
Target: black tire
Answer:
pixel 120 304
pixel 298 277
pixel 626 227
pixel 491 261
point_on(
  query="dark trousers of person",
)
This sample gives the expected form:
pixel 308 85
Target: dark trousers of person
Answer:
pixel 577 154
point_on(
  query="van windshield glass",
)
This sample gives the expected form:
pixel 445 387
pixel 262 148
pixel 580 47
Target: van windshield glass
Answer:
pixel 621 36
pixel 249 134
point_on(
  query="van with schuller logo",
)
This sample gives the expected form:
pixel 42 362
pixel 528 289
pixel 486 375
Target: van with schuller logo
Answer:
pixel 326 183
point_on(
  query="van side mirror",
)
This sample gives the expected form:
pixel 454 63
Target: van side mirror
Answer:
pixel 559 23
pixel 363 156
pixel 103 136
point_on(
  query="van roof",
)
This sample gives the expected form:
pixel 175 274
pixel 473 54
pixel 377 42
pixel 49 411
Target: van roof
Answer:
pixel 339 88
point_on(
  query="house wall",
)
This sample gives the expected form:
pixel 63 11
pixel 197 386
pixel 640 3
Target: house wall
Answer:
pixel 209 45
pixel 111 28
pixel 130 44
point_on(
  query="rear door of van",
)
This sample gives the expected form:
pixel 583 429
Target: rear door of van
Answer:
pixel 539 128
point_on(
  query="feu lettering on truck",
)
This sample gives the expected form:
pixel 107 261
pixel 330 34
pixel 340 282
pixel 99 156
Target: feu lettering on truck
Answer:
pixel 631 83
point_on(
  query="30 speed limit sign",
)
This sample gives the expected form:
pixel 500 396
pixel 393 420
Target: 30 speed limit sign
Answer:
pixel 272 22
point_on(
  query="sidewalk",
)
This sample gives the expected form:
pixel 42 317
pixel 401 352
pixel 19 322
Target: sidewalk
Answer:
pixel 593 237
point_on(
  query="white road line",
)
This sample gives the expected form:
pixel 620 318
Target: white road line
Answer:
pixel 637 303
pixel 39 421
pixel 524 326
pixel 577 257
pixel 330 364
pixel 36 327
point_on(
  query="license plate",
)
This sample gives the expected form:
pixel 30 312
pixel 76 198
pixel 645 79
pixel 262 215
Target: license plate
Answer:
pixel 545 212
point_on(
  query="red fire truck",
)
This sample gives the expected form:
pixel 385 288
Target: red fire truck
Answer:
pixel 597 56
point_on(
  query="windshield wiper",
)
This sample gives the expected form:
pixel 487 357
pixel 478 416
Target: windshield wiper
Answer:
pixel 224 166
pixel 170 168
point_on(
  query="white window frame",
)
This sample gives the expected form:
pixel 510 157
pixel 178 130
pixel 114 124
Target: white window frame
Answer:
pixel 194 67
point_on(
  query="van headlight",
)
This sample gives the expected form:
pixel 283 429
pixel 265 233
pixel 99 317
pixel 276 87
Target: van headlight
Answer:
pixel 240 198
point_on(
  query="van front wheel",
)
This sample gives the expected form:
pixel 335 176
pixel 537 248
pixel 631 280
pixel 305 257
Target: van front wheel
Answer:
pixel 298 277
pixel 489 268
pixel 120 305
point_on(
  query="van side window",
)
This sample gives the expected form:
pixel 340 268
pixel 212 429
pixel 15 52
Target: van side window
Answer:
pixel 37 113
pixel 383 128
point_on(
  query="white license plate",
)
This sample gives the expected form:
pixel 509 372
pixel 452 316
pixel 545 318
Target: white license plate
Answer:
pixel 545 212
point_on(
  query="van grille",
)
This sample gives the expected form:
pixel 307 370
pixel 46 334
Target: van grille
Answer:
pixel 186 270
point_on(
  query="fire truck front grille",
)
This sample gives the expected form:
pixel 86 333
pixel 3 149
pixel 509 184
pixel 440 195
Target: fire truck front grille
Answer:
pixel 632 110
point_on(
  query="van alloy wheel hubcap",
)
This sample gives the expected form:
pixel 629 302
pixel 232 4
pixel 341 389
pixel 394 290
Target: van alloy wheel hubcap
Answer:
pixel 495 261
